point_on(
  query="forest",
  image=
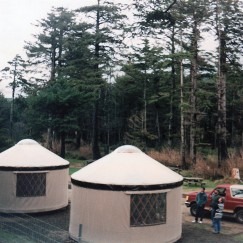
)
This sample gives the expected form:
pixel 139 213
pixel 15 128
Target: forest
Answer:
pixel 154 74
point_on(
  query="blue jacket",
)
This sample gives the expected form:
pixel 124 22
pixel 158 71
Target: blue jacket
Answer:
pixel 201 198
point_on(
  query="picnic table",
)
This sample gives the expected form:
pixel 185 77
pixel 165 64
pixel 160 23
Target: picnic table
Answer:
pixel 175 168
pixel 194 181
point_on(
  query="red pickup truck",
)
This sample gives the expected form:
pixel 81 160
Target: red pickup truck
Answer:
pixel 233 205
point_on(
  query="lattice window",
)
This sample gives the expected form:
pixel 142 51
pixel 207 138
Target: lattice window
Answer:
pixel 148 209
pixel 31 184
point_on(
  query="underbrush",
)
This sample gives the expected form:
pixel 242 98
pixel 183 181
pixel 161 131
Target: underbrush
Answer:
pixel 206 165
pixel 166 156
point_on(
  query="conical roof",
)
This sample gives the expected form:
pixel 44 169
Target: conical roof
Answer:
pixel 127 165
pixel 29 153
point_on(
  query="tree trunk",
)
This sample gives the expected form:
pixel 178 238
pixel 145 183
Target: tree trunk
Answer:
pixel 63 147
pixel 171 127
pixel 49 138
pixel 95 133
pixel 49 135
pixel 95 137
pixel 221 92
pixel 183 153
pixel 13 99
pixel 158 126
pixel 144 124
pixel 78 139
pixel 193 98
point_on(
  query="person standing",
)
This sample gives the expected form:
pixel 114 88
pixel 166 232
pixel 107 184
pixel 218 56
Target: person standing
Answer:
pixel 218 214
pixel 214 202
pixel 201 200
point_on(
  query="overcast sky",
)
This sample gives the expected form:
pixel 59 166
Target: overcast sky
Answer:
pixel 16 25
pixel 17 19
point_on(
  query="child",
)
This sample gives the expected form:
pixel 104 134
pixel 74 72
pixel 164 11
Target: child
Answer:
pixel 215 199
pixel 218 214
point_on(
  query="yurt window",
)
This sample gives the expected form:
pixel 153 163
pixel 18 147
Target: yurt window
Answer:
pixel 31 184
pixel 148 209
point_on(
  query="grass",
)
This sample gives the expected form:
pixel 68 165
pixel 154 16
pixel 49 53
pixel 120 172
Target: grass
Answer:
pixel 209 185
pixel 77 161
pixel 76 164
pixel 239 237
pixel 72 170
pixel 11 237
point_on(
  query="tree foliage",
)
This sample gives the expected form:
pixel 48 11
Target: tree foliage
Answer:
pixel 101 86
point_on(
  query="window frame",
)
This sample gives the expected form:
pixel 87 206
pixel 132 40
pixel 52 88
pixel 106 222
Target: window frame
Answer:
pixel 153 218
pixel 37 190
pixel 237 192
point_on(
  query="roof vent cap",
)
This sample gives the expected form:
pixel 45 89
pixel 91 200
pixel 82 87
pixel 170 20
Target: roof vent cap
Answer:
pixel 128 149
pixel 27 142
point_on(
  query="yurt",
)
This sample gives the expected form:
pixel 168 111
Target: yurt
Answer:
pixel 126 196
pixel 33 179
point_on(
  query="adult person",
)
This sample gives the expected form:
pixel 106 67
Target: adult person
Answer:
pixel 218 214
pixel 214 202
pixel 201 200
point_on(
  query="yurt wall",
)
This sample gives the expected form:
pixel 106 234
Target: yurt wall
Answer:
pixel 32 179
pixel 105 216
pixel 125 197
pixel 54 196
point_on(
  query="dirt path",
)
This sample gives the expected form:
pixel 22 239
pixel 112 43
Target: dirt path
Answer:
pixel 232 232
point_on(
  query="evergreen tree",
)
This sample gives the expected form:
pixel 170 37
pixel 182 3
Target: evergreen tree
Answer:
pixel 48 48
pixel 5 142
pixel 16 73
pixel 56 106
pixel 106 23
pixel 227 17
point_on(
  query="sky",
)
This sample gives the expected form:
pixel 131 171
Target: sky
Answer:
pixel 17 19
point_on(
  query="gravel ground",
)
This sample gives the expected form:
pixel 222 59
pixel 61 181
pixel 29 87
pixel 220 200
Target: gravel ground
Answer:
pixel 194 232
pixel 191 232
pixel 58 218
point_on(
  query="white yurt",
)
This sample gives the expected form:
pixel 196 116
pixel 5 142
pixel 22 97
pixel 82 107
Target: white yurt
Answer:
pixel 126 196
pixel 33 179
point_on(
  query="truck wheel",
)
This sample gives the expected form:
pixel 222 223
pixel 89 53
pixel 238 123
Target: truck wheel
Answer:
pixel 193 209
pixel 239 216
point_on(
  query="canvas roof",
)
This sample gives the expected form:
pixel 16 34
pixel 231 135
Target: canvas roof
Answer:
pixel 29 153
pixel 127 165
